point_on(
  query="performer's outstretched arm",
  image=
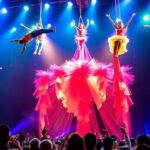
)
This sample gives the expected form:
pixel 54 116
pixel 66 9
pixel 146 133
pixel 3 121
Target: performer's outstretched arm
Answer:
pixel 110 19
pixel 88 23
pixel 25 27
pixel 129 21
pixel 15 40
pixel 42 31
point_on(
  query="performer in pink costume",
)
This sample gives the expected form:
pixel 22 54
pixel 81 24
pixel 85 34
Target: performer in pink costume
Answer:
pixel 82 52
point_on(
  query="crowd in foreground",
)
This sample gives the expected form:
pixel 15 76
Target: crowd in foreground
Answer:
pixel 73 141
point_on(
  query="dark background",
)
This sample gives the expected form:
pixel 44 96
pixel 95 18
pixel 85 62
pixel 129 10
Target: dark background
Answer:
pixel 16 79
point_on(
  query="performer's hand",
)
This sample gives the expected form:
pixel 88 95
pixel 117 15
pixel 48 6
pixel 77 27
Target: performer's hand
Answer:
pixel 88 21
pixel 54 29
pixel 123 130
pixel 108 15
pixel 133 14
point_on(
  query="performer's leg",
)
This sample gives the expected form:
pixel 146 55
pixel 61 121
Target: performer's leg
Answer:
pixel 40 48
pixel 41 31
pixel 117 46
pixel 24 48
pixel 36 48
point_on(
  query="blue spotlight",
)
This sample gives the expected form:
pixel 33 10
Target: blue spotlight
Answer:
pixel 69 5
pixel 49 25
pixel 26 8
pixel 72 24
pixel 93 2
pixel 3 11
pixel 92 22
pixel 47 6
pixel 14 29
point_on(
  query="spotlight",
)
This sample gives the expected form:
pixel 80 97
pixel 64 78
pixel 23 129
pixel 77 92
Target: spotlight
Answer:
pixel 72 23
pixel 93 2
pixel 47 6
pixel 13 29
pixel 118 20
pixel 49 25
pixel 34 27
pixel 92 22
pixel 70 5
pixel 146 17
pixel 26 8
pixel 127 1
pixel 3 11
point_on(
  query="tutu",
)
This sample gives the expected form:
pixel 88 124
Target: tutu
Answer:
pixel 122 48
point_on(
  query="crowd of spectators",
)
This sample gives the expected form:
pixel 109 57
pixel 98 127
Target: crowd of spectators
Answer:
pixel 72 141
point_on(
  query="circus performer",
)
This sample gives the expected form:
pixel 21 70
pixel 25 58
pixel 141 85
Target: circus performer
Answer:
pixel 118 42
pixel 80 39
pixel 29 36
pixel 39 40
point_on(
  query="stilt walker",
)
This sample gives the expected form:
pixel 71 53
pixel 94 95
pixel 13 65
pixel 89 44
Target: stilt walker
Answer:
pixel 117 46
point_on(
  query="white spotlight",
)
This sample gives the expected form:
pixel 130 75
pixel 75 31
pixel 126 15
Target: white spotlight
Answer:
pixel 49 25
pixel 70 5
pixel 13 29
pixel 72 23
pixel 47 6
pixel 93 2
pixel 3 11
pixel 26 8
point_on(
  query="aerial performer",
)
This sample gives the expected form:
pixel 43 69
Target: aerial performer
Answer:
pixel 122 100
pixel 118 42
pixel 29 36
pixel 39 40
pixel 80 39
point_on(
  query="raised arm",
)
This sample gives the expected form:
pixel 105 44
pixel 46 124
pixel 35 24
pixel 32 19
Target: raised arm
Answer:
pixel 111 21
pixel 87 24
pixel 25 27
pixel 126 137
pixel 129 21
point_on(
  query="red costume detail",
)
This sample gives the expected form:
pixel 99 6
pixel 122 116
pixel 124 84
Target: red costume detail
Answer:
pixel 27 38
pixel 120 31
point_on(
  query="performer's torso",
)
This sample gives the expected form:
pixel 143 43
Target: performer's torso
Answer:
pixel 120 31
pixel 27 38
pixel 81 32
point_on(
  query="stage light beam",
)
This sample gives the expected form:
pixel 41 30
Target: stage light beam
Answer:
pixel 146 17
pixel 92 22
pixel 14 29
pixel 26 8
pixel 47 6
pixel 49 26
pixel 3 11
pixel 72 24
pixel 93 2
pixel 118 20
pixel 69 5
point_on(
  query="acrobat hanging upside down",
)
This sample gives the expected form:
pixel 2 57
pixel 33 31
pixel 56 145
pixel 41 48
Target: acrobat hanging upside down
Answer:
pixel 118 42
pixel 29 36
